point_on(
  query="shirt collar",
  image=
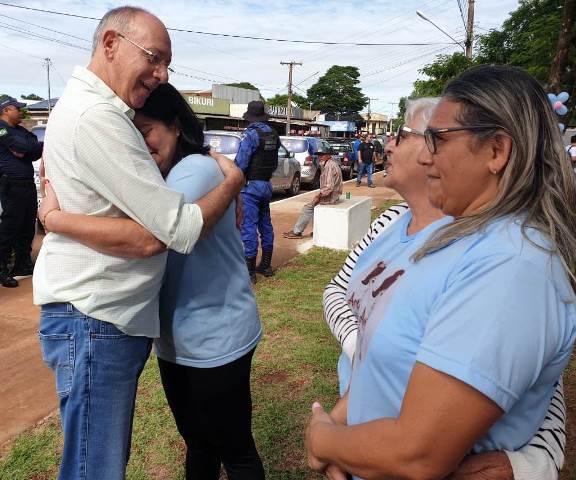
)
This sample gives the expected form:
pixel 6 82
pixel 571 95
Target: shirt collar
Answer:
pixel 93 80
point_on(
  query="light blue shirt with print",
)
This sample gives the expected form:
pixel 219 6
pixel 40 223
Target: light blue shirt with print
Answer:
pixel 491 310
pixel 208 313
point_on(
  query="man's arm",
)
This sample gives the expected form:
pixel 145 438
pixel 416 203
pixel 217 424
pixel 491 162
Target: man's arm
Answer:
pixel 119 237
pixel 112 159
pixel 23 144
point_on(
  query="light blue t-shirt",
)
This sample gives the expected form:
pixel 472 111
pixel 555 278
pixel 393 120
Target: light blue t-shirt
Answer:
pixel 490 309
pixel 208 313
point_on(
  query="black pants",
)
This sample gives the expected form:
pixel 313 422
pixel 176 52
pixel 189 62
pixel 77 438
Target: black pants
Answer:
pixel 213 411
pixel 18 219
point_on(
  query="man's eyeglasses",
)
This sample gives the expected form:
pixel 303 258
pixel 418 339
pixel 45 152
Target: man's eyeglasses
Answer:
pixel 431 134
pixel 403 131
pixel 153 58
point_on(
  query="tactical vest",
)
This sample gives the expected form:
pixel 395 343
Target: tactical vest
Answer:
pixel 265 158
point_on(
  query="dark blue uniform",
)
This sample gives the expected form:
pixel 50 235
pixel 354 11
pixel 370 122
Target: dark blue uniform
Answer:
pixel 255 196
pixel 18 149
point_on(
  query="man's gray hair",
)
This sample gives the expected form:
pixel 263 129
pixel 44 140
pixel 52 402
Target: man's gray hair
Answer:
pixel 420 109
pixel 118 19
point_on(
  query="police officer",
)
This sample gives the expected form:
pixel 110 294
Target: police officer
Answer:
pixel 257 157
pixel 18 149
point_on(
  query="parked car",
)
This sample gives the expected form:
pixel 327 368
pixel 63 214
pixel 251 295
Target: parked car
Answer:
pixel 304 150
pixel 285 178
pixel 345 152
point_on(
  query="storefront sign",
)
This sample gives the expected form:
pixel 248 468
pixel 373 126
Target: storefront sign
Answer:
pixel 214 106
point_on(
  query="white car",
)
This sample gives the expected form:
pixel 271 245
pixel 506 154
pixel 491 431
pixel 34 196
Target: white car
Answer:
pixel 285 178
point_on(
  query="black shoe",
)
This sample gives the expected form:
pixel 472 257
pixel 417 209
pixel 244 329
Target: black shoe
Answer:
pixel 6 280
pixel 265 267
pixel 251 264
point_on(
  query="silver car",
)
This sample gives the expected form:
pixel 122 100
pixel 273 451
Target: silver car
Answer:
pixel 286 178
pixel 304 150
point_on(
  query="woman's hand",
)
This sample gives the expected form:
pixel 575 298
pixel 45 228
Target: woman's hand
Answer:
pixel 48 204
pixel 319 417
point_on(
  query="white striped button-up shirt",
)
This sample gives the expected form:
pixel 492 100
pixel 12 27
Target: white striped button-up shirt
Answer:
pixel 99 165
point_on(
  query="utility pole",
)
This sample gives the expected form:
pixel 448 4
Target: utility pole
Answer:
pixel 470 29
pixel 47 63
pixel 289 106
pixel 369 114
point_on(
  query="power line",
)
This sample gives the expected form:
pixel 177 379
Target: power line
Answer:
pixel 46 28
pixel 245 37
pixel 28 33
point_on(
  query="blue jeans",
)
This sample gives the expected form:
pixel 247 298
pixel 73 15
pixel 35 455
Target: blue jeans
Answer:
pixel 364 168
pixel 97 369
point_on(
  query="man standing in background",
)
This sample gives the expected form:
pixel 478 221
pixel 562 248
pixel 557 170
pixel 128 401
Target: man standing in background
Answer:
pixel 365 161
pixel 18 149
pixel 257 157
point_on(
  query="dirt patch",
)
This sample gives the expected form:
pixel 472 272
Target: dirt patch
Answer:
pixel 569 470
pixel 274 377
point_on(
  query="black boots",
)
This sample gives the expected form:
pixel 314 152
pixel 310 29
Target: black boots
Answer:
pixel 251 264
pixel 265 268
pixel 6 279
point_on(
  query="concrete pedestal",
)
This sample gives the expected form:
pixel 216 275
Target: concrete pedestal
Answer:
pixel 342 225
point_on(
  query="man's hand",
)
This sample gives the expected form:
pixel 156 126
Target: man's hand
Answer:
pixel 484 466
pixel 239 212
pixel 16 154
pixel 316 199
pixel 232 173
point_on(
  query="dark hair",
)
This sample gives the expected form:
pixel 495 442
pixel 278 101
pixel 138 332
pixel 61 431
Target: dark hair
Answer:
pixel 168 106
pixel 573 139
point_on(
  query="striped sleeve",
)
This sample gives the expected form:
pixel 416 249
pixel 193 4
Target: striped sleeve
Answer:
pixel 341 321
pixel 543 456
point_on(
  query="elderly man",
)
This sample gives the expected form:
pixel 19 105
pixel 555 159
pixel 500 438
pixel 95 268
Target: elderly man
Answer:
pixel 100 312
pixel 330 191
pixel 18 149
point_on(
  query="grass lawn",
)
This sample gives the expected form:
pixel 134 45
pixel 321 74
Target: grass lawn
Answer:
pixel 294 365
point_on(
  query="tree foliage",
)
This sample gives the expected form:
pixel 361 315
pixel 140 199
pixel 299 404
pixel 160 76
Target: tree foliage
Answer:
pixel 247 85
pixel 527 39
pixel 282 100
pixel 337 91
pixel 31 96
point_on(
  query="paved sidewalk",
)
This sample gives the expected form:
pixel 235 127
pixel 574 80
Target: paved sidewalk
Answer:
pixel 27 392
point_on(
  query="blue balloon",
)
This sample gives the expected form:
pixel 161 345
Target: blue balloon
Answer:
pixel 563 97
pixel 562 127
pixel 552 98
pixel 563 110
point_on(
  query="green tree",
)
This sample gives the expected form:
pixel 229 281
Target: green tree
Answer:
pixel 247 85
pixel 282 100
pixel 439 73
pixel 337 91
pixel 31 96
pixel 528 39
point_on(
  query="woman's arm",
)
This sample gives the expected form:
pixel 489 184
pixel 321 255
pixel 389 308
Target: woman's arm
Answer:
pixel 120 237
pixel 440 420
pixel 342 322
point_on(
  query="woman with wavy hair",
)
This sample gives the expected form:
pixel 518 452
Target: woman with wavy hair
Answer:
pixel 464 332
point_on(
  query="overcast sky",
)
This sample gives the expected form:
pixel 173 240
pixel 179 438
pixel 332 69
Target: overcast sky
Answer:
pixel 387 72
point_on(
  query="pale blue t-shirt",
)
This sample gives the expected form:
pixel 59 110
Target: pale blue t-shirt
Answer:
pixel 208 313
pixel 490 309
